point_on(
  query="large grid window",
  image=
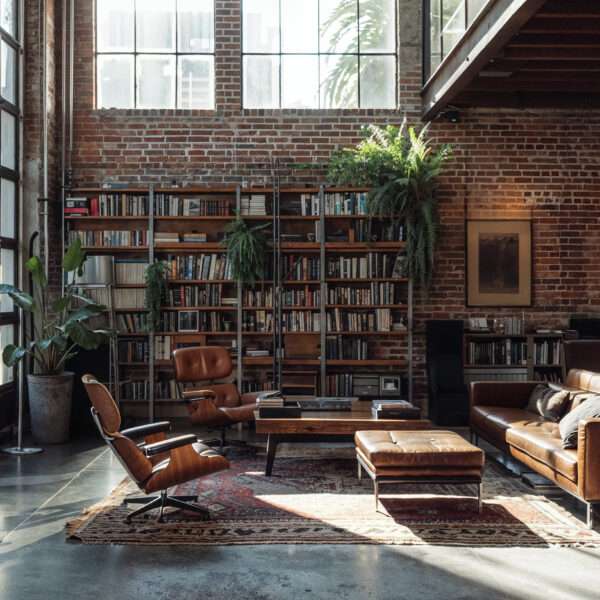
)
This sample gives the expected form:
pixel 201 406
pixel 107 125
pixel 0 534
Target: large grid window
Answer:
pixel 9 170
pixel 319 54
pixel 155 54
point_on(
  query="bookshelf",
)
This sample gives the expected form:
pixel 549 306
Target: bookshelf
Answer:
pixel 334 308
pixel 524 357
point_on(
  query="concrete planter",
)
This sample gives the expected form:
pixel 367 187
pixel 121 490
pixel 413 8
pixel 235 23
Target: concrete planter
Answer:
pixel 50 407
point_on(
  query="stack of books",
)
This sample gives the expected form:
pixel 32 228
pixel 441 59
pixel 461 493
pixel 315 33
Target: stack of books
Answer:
pixel 76 207
pixel 255 205
pixel 273 398
pixel 394 409
pixel 257 352
pixel 195 237
pixel 165 237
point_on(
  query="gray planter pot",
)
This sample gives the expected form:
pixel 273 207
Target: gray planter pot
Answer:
pixel 50 407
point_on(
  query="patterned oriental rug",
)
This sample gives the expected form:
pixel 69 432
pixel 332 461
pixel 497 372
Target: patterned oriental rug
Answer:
pixel 314 497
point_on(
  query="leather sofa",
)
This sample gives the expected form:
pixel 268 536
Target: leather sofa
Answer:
pixel 497 414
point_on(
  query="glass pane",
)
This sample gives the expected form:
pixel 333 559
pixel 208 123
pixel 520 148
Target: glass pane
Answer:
pixel 156 81
pixel 300 81
pixel 8 16
pixel 7 208
pixel 454 24
pixel 339 26
pixel 6 337
pixel 196 82
pixel 261 26
pixel 339 81
pixel 8 70
pixel 299 26
pixel 377 82
pixel 8 141
pixel 155 26
pixel 115 81
pixel 261 81
pixel 115 25
pixel 7 275
pixel 473 8
pixel 377 25
pixel 196 25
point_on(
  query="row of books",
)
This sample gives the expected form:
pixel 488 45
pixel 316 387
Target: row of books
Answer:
pixel 261 385
pixel 162 347
pixel 300 268
pixel 253 205
pixel 108 237
pixel 199 266
pixel 496 352
pixel 343 347
pixel 193 320
pixel 210 294
pixel 383 292
pixel 130 270
pixel 109 205
pixel 365 230
pixel 304 297
pixel 338 203
pixel 168 205
pixel 375 264
pixel 140 390
pixel 172 237
pixel 547 352
pixel 378 319
pixel 132 322
pixel 133 351
pixel 340 384
pixel 124 297
pixel 300 320
pixel 258 320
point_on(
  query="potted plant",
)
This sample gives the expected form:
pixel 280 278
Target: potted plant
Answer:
pixel 247 250
pixel 156 292
pixel 58 331
pixel 401 172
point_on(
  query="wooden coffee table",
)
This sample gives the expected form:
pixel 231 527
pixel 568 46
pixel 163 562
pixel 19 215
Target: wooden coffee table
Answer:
pixel 324 426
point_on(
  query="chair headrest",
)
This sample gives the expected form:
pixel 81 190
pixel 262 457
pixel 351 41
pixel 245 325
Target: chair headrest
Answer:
pixel 103 402
pixel 201 363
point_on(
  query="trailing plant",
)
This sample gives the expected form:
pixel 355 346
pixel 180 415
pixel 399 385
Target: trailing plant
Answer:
pixel 247 250
pixel 59 328
pixel 401 171
pixel 156 292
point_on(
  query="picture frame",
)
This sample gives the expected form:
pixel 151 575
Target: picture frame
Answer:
pixel 498 257
pixel 188 320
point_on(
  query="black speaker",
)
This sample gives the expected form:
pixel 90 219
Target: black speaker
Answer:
pixel 448 400
pixel 587 328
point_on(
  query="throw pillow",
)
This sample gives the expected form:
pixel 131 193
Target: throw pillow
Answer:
pixel 569 424
pixel 548 403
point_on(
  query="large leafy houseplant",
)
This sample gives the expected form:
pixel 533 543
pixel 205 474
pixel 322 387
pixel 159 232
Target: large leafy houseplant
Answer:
pixel 401 171
pixel 247 250
pixel 58 328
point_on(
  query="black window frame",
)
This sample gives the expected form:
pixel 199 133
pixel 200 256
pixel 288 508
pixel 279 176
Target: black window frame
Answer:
pixel 318 54
pixel 176 54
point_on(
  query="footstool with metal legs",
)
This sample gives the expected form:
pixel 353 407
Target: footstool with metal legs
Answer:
pixel 428 456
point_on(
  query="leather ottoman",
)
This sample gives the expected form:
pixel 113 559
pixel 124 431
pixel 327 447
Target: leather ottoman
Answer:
pixel 428 456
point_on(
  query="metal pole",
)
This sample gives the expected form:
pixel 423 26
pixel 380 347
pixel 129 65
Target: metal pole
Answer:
pixel 45 135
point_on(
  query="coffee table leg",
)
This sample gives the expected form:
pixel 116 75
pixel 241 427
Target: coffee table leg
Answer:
pixel 479 497
pixel 272 442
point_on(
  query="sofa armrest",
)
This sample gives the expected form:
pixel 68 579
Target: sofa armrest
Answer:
pixel 509 394
pixel 588 459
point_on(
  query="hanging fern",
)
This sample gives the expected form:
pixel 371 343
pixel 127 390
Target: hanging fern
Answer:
pixel 156 291
pixel 247 250
pixel 401 172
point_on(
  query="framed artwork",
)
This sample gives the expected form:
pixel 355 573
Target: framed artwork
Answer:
pixel 188 320
pixel 498 263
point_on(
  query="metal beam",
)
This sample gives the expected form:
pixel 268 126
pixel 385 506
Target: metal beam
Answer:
pixel 474 51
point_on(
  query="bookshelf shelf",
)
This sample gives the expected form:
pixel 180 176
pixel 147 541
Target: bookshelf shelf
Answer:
pixel 365 362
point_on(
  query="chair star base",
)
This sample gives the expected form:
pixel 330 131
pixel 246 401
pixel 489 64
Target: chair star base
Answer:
pixel 162 501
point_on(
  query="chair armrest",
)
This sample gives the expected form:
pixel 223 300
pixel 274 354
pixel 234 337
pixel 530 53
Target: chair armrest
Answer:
pixel 588 459
pixel 149 429
pixel 508 394
pixel 198 395
pixel 170 444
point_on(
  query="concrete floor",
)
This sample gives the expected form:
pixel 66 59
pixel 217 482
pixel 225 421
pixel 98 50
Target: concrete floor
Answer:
pixel 38 494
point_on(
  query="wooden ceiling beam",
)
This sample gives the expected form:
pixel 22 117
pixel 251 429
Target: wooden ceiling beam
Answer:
pixel 473 52
pixel 520 85
pixel 495 99
pixel 583 54
pixel 567 8
pixel 543 40
pixel 588 25
pixel 544 65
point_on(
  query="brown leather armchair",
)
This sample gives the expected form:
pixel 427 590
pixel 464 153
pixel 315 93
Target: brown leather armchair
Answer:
pixel 216 405
pixel 157 463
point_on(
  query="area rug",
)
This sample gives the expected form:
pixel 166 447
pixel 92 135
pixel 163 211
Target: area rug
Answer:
pixel 315 497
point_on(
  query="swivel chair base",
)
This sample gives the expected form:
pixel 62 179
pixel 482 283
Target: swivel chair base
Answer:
pixel 163 501
pixel 224 441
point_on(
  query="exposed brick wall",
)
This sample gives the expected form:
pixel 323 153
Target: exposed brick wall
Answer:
pixel 543 162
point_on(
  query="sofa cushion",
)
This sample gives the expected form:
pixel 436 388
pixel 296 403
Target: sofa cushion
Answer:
pixel 569 424
pixel 544 444
pixel 495 420
pixel 548 403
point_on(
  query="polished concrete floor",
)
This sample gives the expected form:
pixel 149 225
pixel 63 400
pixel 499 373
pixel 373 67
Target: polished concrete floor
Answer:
pixel 38 494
